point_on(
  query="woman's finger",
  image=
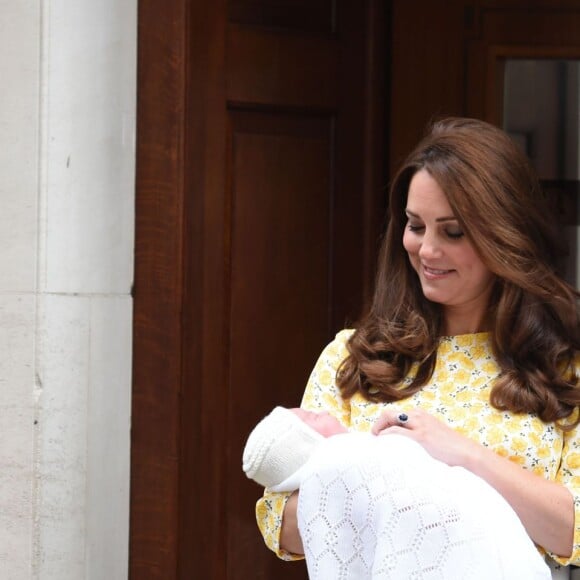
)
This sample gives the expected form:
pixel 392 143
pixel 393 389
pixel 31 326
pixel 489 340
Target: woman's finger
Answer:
pixel 390 418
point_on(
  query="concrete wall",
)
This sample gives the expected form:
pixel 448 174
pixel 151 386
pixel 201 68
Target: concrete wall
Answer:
pixel 67 140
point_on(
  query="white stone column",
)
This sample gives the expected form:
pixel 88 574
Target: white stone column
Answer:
pixel 19 70
pixel 67 162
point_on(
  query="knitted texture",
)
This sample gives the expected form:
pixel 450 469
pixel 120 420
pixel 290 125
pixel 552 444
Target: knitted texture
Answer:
pixel 277 447
pixel 382 508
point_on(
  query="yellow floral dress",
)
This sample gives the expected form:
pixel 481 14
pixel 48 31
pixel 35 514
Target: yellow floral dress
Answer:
pixel 458 394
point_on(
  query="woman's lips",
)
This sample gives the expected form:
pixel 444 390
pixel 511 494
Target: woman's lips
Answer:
pixel 435 272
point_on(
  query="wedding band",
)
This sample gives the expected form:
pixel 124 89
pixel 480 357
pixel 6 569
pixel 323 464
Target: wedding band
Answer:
pixel 403 418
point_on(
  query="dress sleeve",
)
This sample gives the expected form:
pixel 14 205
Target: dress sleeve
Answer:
pixel 321 394
pixel 569 476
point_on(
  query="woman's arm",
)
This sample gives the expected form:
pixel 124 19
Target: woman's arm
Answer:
pixel 289 536
pixel 545 508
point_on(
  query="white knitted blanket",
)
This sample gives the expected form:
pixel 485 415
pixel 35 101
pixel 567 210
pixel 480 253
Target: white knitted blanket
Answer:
pixel 383 508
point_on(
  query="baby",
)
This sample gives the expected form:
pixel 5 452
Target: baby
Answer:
pixel 380 507
pixel 282 443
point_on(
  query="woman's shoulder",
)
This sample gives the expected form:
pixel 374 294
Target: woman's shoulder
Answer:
pixel 340 342
pixel 344 335
pixel 336 350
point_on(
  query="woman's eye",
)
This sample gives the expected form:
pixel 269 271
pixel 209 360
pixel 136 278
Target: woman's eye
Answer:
pixel 454 234
pixel 415 228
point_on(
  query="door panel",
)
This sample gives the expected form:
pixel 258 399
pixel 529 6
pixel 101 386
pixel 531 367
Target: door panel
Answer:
pixel 281 216
pixel 265 68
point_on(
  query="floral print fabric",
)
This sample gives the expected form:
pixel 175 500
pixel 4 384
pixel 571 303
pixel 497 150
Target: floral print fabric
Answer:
pixel 458 394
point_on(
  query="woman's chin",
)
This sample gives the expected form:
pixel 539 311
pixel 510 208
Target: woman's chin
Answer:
pixel 433 294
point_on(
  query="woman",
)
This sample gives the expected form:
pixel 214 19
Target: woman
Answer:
pixel 472 335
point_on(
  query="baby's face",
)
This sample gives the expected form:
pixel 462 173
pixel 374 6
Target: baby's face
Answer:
pixel 322 422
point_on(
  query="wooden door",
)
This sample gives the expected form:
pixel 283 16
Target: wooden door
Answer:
pixel 259 200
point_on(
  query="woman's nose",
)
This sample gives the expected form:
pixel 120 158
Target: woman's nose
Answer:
pixel 430 247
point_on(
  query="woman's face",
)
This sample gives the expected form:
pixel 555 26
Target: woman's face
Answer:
pixel 449 269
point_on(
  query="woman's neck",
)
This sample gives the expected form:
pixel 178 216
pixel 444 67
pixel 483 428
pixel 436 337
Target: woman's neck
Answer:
pixel 458 321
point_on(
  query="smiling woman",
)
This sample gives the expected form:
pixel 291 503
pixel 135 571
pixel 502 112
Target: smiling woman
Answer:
pixel 472 336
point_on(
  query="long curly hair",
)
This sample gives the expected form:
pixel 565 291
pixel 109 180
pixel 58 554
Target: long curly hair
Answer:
pixel 533 313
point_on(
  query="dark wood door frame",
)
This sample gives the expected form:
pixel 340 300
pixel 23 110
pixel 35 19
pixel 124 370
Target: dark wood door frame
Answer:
pixel 178 277
pixel 158 290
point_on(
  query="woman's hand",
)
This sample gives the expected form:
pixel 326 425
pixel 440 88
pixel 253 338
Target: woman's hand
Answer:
pixel 439 440
pixel 546 508
pixel 290 539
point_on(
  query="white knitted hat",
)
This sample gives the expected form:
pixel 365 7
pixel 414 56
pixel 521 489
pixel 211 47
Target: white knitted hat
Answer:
pixel 278 446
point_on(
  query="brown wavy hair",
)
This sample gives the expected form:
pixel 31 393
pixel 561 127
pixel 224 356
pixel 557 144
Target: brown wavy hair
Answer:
pixel 533 313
